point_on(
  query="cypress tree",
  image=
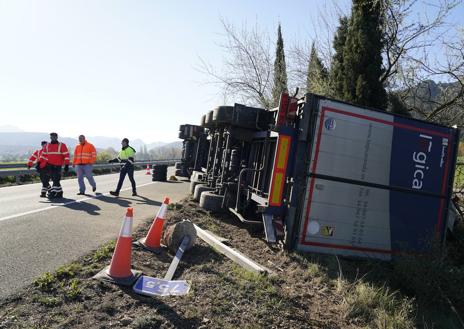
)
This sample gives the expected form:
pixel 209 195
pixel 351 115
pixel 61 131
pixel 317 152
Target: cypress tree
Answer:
pixel 362 59
pixel 280 70
pixel 316 81
pixel 337 69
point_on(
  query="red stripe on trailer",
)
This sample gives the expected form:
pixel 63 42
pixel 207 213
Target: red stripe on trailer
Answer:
pixel 443 188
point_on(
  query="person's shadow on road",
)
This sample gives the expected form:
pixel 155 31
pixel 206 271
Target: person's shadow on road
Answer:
pixel 115 200
pixel 90 208
pixel 74 204
pixel 144 200
pixel 57 201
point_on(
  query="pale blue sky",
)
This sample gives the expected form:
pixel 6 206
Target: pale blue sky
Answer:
pixel 123 68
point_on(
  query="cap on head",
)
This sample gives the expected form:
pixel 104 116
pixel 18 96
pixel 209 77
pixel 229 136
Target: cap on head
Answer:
pixel 54 134
pixel 43 143
pixel 125 140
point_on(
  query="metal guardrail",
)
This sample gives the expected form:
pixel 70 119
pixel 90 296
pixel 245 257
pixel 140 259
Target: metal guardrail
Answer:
pixel 18 172
pixel 12 165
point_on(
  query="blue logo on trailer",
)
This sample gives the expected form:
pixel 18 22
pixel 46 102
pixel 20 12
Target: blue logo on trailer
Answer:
pixel 330 124
pixel 149 286
pixel 419 161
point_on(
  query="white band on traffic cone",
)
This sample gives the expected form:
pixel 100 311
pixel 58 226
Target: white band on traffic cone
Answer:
pixel 126 229
pixel 162 211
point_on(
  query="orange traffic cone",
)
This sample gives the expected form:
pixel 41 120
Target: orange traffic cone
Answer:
pixel 120 271
pixel 148 170
pixel 152 241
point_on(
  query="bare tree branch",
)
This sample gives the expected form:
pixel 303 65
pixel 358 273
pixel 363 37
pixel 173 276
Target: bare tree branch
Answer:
pixel 247 68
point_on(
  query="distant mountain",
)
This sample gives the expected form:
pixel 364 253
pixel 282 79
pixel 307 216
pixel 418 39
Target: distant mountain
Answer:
pixel 155 145
pixel 19 144
pixel 30 139
pixel 10 129
pixel 167 151
pixel 428 94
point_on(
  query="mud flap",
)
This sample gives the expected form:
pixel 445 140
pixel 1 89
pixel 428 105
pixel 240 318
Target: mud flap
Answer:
pixel 269 228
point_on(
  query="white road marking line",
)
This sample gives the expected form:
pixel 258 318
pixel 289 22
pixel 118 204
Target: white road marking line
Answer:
pixel 67 203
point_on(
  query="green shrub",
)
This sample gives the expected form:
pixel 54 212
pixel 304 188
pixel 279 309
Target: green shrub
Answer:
pixel 45 282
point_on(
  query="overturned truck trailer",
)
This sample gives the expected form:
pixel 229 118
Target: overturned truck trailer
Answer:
pixel 329 177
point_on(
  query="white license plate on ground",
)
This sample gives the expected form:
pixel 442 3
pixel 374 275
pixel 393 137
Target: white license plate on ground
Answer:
pixel 149 286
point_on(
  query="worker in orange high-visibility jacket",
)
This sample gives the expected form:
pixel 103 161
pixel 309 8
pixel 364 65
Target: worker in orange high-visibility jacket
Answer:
pixel 40 164
pixel 84 157
pixel 56 155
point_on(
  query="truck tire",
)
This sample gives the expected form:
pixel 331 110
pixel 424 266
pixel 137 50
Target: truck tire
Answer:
pixel 159 173
pixel 209 119
pixel 178 165
pixel 203 121
pixel 211 202
pixel 223 114
pixel 196 175
pixel 193 184
pixel 178 172
pixel 249 117
pixel 200 188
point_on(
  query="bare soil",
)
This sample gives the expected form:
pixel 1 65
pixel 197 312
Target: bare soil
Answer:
pixel 223 295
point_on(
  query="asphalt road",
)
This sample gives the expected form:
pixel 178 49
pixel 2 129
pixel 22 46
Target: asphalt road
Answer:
pixel 37 235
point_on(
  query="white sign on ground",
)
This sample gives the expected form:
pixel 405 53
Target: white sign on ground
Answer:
pixel 149 286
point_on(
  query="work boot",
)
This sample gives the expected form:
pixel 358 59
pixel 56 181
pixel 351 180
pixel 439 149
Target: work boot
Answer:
pixel 134 193
pixel 94 189
pixel 59 195
pixel 114 193
pixel 80 193
pixel 43 195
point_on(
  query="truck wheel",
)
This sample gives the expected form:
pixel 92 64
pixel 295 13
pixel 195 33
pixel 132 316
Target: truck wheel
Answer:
pixel 209 119
pixel 178 172
pixel 159 173
pixel 200 188
pixel 193 184
pixel 246 117
pixel 203 121
pixel 196 176
pixel 223 114
pixel 211 202
pixel 178 165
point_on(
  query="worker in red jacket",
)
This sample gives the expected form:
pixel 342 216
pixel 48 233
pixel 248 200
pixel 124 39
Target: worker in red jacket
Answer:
pixel 56 155
pixel 40 164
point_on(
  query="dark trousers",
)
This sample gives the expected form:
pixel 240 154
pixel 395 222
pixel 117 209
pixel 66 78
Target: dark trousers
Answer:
pixel 44 175
pixel 55 173
pixel 129 170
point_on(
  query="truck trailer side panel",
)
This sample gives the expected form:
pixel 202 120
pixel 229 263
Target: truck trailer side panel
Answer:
pixel 378 184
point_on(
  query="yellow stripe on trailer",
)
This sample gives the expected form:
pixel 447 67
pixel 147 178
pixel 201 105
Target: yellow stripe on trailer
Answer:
pixel 280 167
pixel 277 188
pixel 284 145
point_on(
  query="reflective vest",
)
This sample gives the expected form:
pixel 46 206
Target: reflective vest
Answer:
pixel 127 155
pixel 84 154
pixel 56 154
pixel 36 158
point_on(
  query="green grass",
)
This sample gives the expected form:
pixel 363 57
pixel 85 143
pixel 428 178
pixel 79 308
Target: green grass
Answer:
pixel 47 300
pixel 73 291
pixel 45 282
pixel 459 177
pixel 378 306
pixel 104 251
pixel 68 271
